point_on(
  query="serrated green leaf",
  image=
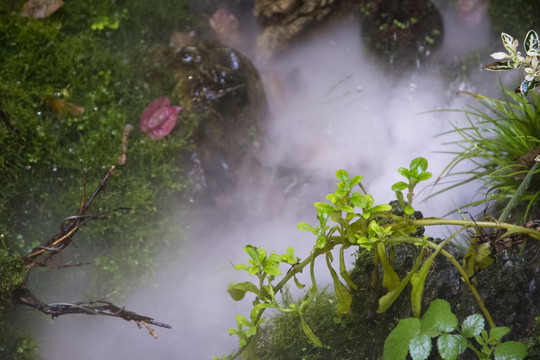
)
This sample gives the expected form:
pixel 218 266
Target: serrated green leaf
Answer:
pixel 479 340
pixel 309 333
pixel 510 350
pixel 400 186
pixel 420 347
pixel 238 291
pixel 396 345
pixel 347 208
pixel 450 346
pixel 438 318
pixel 498 332
pixel 472 325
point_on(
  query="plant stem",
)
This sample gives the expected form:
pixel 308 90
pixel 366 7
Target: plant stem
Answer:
pixel 520 190
pixel 461 271
pixel 484 224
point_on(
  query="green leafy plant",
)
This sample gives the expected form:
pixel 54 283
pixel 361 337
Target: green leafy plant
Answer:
pixel 513 60
pixel 414 336
pixel 351 218
pixel 501 141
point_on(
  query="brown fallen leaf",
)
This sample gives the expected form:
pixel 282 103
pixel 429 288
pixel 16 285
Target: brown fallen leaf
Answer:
pixel 61 106
pixel 39 9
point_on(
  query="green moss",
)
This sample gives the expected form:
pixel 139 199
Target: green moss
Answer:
pixel 44 153
pixel 514 17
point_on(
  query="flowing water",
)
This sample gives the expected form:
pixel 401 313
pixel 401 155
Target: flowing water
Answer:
pixel 339 111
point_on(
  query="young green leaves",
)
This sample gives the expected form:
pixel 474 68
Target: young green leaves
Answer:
pixel 259 262
pixel 413 336
pixel 414 174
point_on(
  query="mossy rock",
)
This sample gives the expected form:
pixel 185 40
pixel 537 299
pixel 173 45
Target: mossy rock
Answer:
pixel 507 288
pixel 514 17
pixel 223 89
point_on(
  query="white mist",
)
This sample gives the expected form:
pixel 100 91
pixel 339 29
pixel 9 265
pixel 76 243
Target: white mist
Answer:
pixel 341 111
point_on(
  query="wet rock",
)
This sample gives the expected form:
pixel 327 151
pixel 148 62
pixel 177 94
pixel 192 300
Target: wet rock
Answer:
pixel 222 88
pixel 508 288
pixel 286 20
pixel 401 33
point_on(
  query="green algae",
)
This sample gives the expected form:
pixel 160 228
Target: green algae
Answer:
pixel 45 152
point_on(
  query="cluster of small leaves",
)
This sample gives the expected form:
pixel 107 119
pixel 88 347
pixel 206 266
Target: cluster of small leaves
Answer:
pixel 266 268
pixel 350 218
pixel 414 174
pixel 514 60
pixel 414 336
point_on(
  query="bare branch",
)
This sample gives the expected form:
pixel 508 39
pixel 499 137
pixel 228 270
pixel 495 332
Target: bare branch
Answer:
pixel 43 254
pixel 91 307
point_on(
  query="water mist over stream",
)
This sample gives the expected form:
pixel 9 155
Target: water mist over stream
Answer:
pixel 341 111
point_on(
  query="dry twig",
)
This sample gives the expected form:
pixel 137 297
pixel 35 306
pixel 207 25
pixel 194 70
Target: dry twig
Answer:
pixel 44 254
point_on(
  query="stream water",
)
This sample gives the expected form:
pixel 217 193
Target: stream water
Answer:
pixel 341 112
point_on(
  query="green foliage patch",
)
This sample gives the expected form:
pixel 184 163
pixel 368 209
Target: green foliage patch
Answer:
pixel 414 336
pixel 501 142
pixel 351 218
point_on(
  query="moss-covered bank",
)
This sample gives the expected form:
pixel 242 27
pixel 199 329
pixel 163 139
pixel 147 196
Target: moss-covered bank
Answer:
pixel 90 54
